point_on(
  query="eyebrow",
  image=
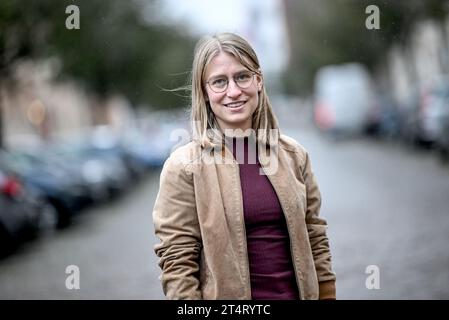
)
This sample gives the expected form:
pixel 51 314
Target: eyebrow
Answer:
pixel 223 75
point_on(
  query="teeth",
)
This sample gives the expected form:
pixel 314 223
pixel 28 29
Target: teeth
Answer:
pixel 234 104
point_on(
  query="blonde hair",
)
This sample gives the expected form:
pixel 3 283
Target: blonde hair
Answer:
pixel 204 124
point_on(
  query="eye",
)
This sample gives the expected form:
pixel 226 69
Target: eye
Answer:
pixel 243 76
pixel 219 82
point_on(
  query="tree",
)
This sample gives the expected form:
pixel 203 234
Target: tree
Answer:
pixel 325 32
pixel 116 51
pixel 22 35
pixel 113 51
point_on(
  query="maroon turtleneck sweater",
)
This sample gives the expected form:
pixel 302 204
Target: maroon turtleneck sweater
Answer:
pixel 270 263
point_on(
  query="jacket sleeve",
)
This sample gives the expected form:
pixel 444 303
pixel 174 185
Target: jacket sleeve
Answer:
pixel 176 226
pixel 316 227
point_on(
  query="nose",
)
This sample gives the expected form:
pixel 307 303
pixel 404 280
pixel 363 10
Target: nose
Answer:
pixel 233 90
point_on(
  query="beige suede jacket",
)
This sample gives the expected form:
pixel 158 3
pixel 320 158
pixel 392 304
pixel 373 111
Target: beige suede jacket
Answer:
pixel 198 217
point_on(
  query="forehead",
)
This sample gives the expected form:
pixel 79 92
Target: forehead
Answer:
pixel 222 64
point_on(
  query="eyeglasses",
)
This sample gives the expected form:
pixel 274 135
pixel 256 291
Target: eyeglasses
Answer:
pixel 220 84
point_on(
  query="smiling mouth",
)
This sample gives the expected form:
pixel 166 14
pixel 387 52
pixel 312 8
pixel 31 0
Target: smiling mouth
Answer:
pixel 234 105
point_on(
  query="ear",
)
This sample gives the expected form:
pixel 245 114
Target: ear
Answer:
pixel 259 82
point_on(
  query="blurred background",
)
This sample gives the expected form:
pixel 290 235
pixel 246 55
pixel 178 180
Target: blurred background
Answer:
pixel 88 115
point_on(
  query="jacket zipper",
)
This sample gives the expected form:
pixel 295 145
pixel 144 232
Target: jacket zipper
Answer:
pixel 289 234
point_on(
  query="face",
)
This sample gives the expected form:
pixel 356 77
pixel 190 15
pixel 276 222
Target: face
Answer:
pixel 234 107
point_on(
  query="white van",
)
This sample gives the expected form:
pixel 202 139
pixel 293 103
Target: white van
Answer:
pixel 343 98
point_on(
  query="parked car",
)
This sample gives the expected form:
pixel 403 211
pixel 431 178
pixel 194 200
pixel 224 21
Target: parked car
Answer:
pixel 114 166
pixel 433 110
pixel 343 98
pixel 423 116
pixel 152 148
pixel 19 213
pixel 62 191
pixel 436 118
pixel 92 172
pixel 409 128
pixel 383 118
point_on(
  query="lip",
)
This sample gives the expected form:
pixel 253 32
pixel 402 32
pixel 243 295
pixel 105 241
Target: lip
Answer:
pixel 237 108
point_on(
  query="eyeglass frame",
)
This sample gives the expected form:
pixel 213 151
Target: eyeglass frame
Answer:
pixel 236 83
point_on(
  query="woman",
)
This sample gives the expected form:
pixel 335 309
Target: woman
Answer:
pixel 244 225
